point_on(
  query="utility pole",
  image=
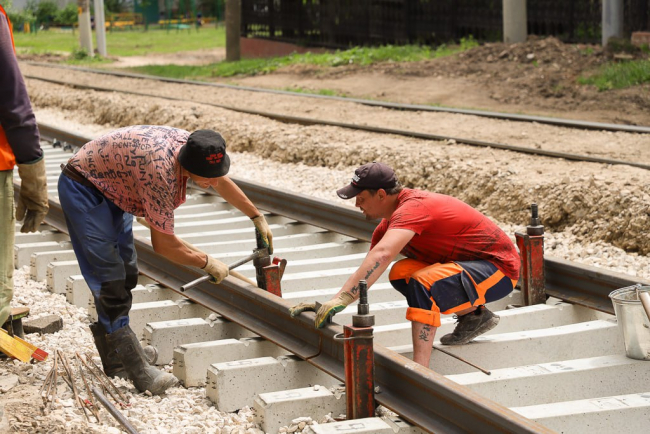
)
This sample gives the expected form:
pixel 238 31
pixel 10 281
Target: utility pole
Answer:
pixel 515 26
pixel 85 33
pixel 233 25
pixel 612 20
pixel 100 29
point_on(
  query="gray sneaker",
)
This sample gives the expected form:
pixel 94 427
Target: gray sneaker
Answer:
pixel 470 326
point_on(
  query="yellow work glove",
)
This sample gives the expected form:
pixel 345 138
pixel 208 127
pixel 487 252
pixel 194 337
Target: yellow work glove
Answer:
pixel 327 309
pixel 262 228
pixel 217 269
pixel 32 203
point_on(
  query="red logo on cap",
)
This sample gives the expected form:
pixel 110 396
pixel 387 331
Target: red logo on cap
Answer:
pixel 214 158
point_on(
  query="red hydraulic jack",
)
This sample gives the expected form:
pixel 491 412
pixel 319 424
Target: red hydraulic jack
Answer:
pixel 359 360
pixel 531 249
pixel 268 272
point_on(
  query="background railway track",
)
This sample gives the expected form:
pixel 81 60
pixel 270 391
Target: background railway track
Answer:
pixel 92 81
pixel 540 348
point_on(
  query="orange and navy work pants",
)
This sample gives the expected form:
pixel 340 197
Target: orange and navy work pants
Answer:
pixel 447 288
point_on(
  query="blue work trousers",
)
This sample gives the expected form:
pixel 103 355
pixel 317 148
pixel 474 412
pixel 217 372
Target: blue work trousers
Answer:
pixel 102 239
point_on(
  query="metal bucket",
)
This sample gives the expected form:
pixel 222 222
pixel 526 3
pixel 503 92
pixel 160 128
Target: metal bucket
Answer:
pixel 633 320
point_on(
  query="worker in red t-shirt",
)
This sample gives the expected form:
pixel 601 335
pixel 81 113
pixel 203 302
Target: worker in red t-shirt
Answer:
pixel 456 259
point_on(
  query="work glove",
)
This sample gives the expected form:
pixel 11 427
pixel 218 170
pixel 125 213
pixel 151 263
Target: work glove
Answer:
pixel 262 228
pixel 217 269
pixel 32 203
pixel 327 309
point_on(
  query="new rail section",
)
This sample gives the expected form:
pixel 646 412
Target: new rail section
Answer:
pixel 422 397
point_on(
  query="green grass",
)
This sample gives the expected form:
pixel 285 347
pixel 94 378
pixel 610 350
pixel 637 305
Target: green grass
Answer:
pixel 619 75
pixel 123 42
pixel 327 92
pixel 355 56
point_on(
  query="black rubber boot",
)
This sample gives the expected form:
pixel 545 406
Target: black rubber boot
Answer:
pixel 144 376
pixel 112 365
pixel 470 326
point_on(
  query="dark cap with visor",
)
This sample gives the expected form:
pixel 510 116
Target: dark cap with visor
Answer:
pixel 204 154
pixel 371 176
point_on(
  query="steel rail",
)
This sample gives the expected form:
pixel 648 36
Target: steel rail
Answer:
pixel 371 129
pixel 419 395
pixel 572 123
pixel 575 283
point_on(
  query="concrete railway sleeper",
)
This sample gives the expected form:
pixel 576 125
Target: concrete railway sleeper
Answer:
pixel 543 358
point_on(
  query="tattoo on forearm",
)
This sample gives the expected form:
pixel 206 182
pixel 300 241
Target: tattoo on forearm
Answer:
pixel 372 269
pixel 424 333
pixel 354 290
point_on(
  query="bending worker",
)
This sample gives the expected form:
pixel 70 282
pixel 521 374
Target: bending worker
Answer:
pixel 456 259
pixel 142 171
pixel 19 144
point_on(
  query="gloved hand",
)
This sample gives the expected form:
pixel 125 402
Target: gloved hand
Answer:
pixel 327 309
pixel 217 269
pixel 32 203
pixel 192 247
pixel 262 228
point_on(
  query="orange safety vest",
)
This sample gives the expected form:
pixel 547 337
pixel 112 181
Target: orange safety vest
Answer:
pixel 7 159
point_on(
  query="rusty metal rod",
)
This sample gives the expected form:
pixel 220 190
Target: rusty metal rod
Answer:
pixel 485 371
pixel 114 412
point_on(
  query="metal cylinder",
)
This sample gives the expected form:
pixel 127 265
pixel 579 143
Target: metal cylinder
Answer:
pixel 359 359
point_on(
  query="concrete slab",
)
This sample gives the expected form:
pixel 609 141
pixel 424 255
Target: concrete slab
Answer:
pixel 191 361
pixel 378 293
pixel 582 340
pixel 319 278
pixel 230 387
pixel 58 272
pixel 568 380
pixel 78 293
pixel 373 425
pixel 166 335
pixel 167 310
pixel 153 292
pixel 24 251
pixel 39 237
pixel 242 236
pixel 40 260
pixel 314 251
pixel 241 222
pixel 277 409
pixel 628 414
pixel 521 319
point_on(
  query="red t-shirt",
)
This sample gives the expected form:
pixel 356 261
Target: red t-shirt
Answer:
pixel 447 230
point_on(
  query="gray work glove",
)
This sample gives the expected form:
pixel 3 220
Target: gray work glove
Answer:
pixel 32 203
pixel 217 269
pixel 262 228
pixel 327 309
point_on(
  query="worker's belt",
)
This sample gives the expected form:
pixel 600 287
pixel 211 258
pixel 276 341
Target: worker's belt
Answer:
pixel 73 174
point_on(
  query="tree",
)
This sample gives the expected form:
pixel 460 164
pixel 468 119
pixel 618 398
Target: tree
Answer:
pixel 67 16
pixel 45 12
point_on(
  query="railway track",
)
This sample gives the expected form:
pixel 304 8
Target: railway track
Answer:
pixel 543 358
pixel 286 118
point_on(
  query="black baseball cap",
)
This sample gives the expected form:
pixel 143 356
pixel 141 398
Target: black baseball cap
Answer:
pixel 371 176
pixel 204 154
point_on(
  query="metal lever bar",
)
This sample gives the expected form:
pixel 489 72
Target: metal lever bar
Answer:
pixel 256 254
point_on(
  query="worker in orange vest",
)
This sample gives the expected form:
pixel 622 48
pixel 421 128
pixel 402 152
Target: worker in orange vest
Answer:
pixel 19 144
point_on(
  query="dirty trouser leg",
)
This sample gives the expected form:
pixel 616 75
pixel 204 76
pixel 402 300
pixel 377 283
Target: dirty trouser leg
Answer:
pixel 101 244
pixel 7 230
